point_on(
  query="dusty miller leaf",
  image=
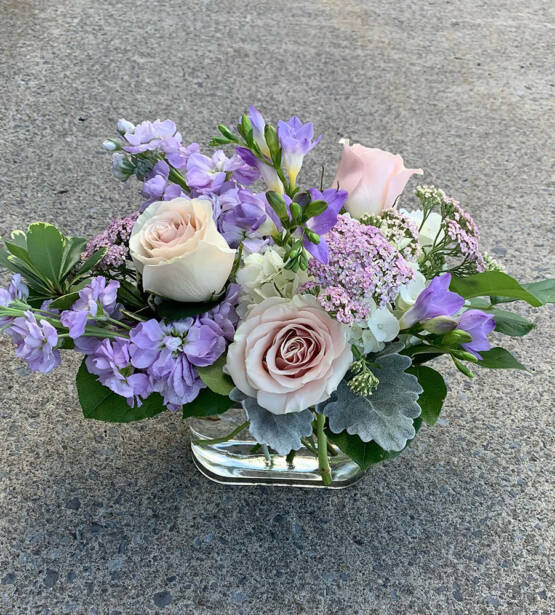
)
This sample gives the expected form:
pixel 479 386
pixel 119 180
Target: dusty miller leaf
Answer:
pixel 387 415
pixel 282 432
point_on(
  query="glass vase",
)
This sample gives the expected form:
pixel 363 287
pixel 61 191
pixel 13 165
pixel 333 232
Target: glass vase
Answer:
pixel 239 460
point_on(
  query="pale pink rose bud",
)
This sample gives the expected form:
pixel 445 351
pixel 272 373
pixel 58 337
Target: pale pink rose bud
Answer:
pixel 373 178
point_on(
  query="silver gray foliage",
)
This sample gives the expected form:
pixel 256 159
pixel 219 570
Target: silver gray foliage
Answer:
pixel 387 415
pixel 282 432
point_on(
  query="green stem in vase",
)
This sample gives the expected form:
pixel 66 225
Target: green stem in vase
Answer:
pixel 237 430
pixel 323 460
pixel 308 445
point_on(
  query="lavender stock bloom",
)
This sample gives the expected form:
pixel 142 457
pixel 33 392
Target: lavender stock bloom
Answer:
pixel 16 291
pixel 435 300
pixel 110 360
pixel 98 299
pixel 158 187
pixel 296 141
pixel 238 212
pixel 35 342
pixel 479 325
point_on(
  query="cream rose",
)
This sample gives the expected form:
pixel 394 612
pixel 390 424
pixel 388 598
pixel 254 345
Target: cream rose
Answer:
pixel 179 251
pixel 373 178
pixel 288 354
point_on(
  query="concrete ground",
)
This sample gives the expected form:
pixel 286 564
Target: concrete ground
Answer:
pixel 107 519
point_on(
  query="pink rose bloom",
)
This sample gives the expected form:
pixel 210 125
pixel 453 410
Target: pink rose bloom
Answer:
pixel 288 354
pixel 373 178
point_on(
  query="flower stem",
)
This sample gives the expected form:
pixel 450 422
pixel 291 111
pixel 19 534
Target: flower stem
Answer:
pixel 323 460
pixel 223 438
pixel 308 445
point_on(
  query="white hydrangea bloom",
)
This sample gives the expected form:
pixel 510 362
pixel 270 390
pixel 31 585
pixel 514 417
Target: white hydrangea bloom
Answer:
pixel 409 292
pixel 431 228
pixel 371 335
pixel 262 276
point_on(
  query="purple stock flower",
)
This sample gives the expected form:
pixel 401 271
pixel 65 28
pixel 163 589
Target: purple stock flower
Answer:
pixel 296 141
pixel 205 342
pixel 16 291
pixel 435 300
pixel 158 187
pixel 150 135
pixel 479 325
pixel 323 223
pixel 35 342
pixel 209 175
pixel 110 360
pixel 97 299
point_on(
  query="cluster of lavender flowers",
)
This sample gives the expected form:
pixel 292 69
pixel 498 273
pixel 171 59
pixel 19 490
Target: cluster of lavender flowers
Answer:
pixel 162 357
pixel 462 229
pixel 116 239
pixel 363 266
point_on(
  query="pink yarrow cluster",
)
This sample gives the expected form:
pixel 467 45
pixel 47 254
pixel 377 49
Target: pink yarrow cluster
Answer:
pixel 116 239
pixel 362 266
pixel 462 229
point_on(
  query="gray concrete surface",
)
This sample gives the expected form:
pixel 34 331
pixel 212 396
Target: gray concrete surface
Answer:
pixel 100 519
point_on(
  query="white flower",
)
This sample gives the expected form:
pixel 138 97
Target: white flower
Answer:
pixel 371 335
pixel 262 276
pixel 179 251
pixel 409 292
pixel 431 228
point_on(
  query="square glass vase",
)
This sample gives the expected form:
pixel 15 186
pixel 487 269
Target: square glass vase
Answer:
pixel 239 460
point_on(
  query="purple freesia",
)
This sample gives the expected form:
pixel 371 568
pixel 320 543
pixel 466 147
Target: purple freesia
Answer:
pixel 323 223
pixel 258 124
pixel 35 342
pixel 296 141
pixel 479 325
pixel 111 362
pixel 266 171
pixel 435 300
pixel 98 299
pixel 239 212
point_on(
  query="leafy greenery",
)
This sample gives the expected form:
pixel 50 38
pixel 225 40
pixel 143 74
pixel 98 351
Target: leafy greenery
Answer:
pixel 214 378
pixel 544 290
pixel 207 403
pixel 100 403
pixel 174 310
pixel 47 260
pixel 432 397
pixel 499 358
pixel 365 454
pixel 492 283
pixel 511 324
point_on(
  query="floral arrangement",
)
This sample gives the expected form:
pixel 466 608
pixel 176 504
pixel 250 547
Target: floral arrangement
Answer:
pixel 316 309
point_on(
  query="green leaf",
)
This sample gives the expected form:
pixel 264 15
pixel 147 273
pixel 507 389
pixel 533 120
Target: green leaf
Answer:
pixel 91 262
pixel 65 301
pixel 423 349
pixel 19 252
pixel 131 296
pixel 12 263
pixel 214 378
pixel 544 290
pixel 365 454
pixel 19 238
pixel 499 358
pixel 432 398
pixel 207 403
pixel 45 245
pixel 511 324
pixel 99 403
pixel 72 254
pixel 491 283
pixel 174 310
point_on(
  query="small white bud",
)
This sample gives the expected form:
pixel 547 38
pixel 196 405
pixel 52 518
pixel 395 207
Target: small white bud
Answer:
pixel 110 145
pixel 125 126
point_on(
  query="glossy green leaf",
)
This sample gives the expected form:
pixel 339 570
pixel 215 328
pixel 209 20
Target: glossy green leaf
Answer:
pixel 511 324
pixel 91 262
pixel 544 290
pixel 65 301
pixel 499 358
pixel 174 310
pixel 207 403
pixel 432 397
pixel 214 378
pixel 100 403
pixel 73 248
pixel 492 283
pixel 45 245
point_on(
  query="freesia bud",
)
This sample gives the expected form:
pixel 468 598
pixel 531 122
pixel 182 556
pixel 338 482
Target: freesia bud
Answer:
pixel 125 126
pixel 122 167
pixel 458 336
pixel 110 145
pixel 440 324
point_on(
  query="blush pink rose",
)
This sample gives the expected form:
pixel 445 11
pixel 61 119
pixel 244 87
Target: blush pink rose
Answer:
pixel 177 248
pixel 288 354
pixel 373 178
